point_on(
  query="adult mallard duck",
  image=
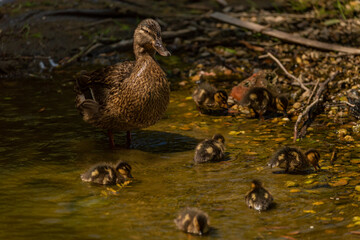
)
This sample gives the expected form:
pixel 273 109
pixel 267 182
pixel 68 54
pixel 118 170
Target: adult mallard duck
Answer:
pixel 107 174
pixel 193 220
pixel 210 150
pixel 262 101
pixel 210 100
pixel 128 95
pixel 258 197
pixel 294 160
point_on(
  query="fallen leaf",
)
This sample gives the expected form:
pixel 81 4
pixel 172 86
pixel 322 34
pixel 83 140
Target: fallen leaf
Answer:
pixel 341 182
pixel 290 184
pixel 308 211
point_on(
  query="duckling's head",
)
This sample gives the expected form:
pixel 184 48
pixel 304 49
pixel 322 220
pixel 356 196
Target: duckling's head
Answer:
pixel 281 103
pixel 219 138
pixel 147 39
pixel 124 169
pixel 199 224
pixel 256 184
pixel 221 98
pixel 313 157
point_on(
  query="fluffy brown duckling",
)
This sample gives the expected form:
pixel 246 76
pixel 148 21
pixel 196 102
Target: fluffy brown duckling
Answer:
pixel 193 220
pixel 107 174
pixel 294 160
pixel 262 102
pixel 210 100
pixel 210 150
pixel 258 197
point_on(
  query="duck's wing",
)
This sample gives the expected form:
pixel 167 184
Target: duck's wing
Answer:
pixel 96 85
pixel 101 174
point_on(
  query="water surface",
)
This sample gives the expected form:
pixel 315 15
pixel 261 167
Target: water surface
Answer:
pixel 45 146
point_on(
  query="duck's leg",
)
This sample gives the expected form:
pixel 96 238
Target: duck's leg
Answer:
pixel 111 139
pixel 128 139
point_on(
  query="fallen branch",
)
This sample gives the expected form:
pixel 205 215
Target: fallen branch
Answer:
pixel 79 54
pixel 282 35
pixel 127 43
pixel 312 110
pixel 285 71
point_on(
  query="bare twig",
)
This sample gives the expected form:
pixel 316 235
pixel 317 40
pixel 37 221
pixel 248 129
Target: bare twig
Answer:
pixel 282 35
pixel 347 103
pixel 306 111
pixel 79 54
pixel 127 43
pixel 285 71
pixel 313 91
pixel 312 110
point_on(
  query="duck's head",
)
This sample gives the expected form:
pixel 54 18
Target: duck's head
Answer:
pixel 124 169
pixel 200 223
pixel 219 138
pixel 221 98
pixel 147 39
pixel 281 103
pixel 256 184
pixel 313 157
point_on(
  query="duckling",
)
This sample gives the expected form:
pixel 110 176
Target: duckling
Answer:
pixel 258 197
pixel 262 101
pixel 106 174
pixel 210 150
pixel 210 100
pixel 294 160
pixel 313 157
pixel 193 220
pixel 128 95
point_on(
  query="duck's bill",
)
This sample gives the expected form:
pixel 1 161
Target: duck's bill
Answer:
pixel 159 47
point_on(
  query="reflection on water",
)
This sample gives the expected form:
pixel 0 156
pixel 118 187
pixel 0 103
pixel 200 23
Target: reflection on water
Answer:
pixel 45 146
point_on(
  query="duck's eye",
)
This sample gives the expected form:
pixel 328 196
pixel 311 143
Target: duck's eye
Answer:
pixel 145 30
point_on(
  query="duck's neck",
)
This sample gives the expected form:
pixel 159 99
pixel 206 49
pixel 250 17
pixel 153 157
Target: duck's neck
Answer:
pixel 140 52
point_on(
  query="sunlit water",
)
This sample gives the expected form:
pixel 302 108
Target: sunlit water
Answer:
pixel 45 146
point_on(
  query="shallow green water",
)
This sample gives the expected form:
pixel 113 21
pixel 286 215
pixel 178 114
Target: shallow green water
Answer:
pixel 45 146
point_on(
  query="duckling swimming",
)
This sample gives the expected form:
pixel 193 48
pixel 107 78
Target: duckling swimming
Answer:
pixel 193 220
pixel 107 174
pixel 258 197
pixel 209 100
pixel 262 102
pixel 210 150
pixel 294 160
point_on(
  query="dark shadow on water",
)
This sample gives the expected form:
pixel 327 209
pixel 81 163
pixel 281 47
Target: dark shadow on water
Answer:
pixel 162 142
